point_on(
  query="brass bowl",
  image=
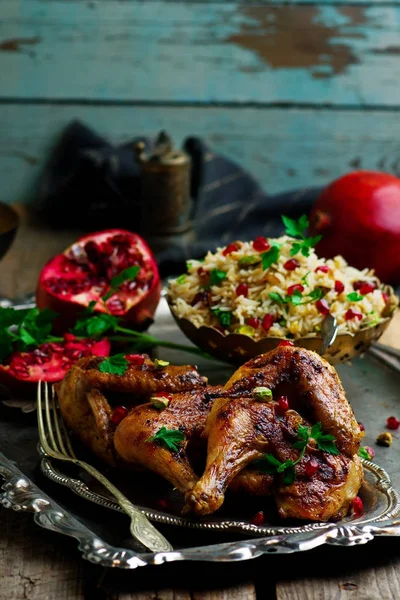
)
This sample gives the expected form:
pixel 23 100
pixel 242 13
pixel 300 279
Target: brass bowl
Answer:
pixel 237 348
pixel 9 222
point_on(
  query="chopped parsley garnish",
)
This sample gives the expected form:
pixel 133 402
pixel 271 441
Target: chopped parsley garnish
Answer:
pixel 216 276
pixel 128 274
pixel 224 316
pixel 181 279
pixel 116 365
pixel 270 464
pixel 354 297
pixel 304 278
pixel 170 438
pixel 297 297
pixel 297 229
pixel 270 257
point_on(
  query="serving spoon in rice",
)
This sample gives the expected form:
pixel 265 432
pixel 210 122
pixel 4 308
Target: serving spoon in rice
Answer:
pixel 329 330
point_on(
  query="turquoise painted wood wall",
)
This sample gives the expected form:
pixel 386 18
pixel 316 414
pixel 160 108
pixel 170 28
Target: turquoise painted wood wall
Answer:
pixel 299 93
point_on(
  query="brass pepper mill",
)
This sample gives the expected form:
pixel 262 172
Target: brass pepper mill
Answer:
pixel 165 194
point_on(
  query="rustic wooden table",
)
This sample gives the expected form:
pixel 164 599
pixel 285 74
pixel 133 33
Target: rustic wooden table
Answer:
pixel 35 563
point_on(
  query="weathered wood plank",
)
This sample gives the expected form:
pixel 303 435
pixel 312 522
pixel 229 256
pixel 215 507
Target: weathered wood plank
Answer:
pixel 200 52
pixel 32 565
pixel 284 149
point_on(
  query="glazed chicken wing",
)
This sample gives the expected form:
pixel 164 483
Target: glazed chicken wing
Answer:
pixel 86 410
pixel 241 430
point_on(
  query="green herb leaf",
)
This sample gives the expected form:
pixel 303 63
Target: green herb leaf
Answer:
pixel 116 365
pixel 95 326
pixel 316 294
pixel 170 438
pixel 296 298
pixel 188 265
pixel 181 279
pixel 277 298
pixel 354 297
pixel 270 257
pixel 327 446
pixel 224 316
pixel 216 276
pixel 295 228
pixel 304 278
pixel 363 452
pixel 316 431
pixel 289 474
pixel 128 274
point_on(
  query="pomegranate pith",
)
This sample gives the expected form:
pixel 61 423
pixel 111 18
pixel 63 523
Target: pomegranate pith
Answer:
pixel 48 362
pixel 83 273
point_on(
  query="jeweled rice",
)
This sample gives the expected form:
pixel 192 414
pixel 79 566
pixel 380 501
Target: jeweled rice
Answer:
pixel 290 314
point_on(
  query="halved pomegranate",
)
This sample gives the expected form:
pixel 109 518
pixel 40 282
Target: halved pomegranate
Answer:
pixel 83 273
pixel 48 362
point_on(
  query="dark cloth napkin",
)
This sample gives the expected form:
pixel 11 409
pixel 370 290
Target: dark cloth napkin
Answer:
pixel 90 184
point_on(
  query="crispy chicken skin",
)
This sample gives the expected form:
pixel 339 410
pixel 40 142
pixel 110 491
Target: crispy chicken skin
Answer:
pixel 226 426
pixel 186 412
pixel 86 410
pixel 312 386
pixel 240 430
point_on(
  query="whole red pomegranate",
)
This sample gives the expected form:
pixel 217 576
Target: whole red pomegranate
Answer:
pixel 358 216
pixel 85 271
pixel 49 362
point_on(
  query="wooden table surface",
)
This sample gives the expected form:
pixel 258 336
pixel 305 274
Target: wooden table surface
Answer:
pixel 36 563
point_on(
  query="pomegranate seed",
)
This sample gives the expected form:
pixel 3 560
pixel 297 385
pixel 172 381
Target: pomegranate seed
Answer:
pixel 322 268
pixel 293 288
pixel 385 297
pixel 392 423
pixel 229 249
pixel 69 337
pixel 261 244
pixel 358 506
pixel 291 265
pixel 119 413
pixel 353 314
pixel 201 272
pixel 361 426
pixel 163 395
pixel 312 467
pixel 242 290
pixel 258 519
pixel 267 322
pixel 366 288
pixel 283 404
pixel 322 307
pixel 357 285
pixel 253 322
pixel 285 343
pixel 339 287
pixel 203 296
pixel 135 359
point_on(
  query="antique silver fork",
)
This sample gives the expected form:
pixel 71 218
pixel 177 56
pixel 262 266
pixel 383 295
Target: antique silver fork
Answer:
pixel 56 443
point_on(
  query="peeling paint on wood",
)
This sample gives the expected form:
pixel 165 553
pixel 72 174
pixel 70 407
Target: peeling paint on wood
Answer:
pixel 18 44
pixel 202 52
pixel 287 38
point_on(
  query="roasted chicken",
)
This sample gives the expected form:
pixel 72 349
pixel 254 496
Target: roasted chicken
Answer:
pixel 86 410
pixel 241 430
pixel 226 433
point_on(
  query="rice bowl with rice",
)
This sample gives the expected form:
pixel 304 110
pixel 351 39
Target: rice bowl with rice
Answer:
pixel 278 287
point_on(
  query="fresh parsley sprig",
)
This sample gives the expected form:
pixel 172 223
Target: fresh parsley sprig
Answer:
pixel 297 229
pixel 23 329
pixel 116 364
pixel 128 274
pixel 170 438
pixel 297 297
pixel 325 442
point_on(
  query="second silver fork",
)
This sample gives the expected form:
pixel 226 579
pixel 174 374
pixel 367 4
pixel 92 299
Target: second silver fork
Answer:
pixel 56 444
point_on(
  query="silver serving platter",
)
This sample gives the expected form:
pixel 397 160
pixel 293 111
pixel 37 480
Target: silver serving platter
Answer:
pixel 371 386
